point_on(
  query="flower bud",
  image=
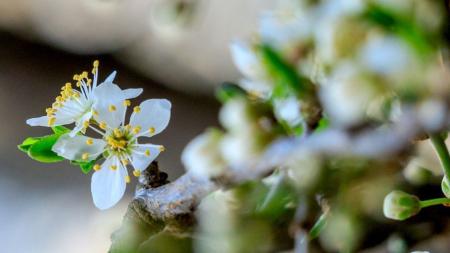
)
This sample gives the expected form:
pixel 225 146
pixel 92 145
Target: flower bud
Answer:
pixel 445 186
pixel 400 205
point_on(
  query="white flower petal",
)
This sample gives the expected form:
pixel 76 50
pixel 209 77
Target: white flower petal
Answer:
pixel 73 148
pixel 288 109
pixel 111 77
pixel 43 121
pixel 140 160
pixel 79 123
pixel 132 93
pixel 284 29
pixel 107 185
pixel 39 121
pixel 202 156
pixel 154 114
pixel 246 60
pixel 387 55
pixel 260 89
pixel 108 104
pixel 69 112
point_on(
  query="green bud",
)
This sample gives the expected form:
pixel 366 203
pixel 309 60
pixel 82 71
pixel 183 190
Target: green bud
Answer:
pixel 445 186
pixel 400 205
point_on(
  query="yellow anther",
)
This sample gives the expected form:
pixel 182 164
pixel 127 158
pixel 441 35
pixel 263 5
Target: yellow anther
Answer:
pixel 125 162
pixel 50 112
pixel 76 77
pixel 136 173
pixel 127 179
pixel 89 82
pixel 102 125
pixel 59 99
pixel 68 86
pixel 66 93
pixel 112 108
pixel 136 109
pixel 147 152
pixel 136 129
pixel 126 102
pixel 151 130
pixel 51 121
pixel 86 123
pixel 113 167
pixel 85 156
pixel 128 127
pixel 254 94
pixel 117 133
pixel 95 112
pixel 84 74
pixel 97 167
pixel 89 141
pixel 96 63
pixel 162 148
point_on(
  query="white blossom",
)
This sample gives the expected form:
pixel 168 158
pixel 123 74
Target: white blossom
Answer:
pixel 256 80
pixel 288 109
pixel 119 146
pixel 80 105
pixel 288 26
pixel 202 157
pixel 346 97
pixel 244 139
pixel 386 55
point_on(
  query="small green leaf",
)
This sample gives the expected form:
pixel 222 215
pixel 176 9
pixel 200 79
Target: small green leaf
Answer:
pixel 60 130
pixel 42 149
pixel 318 226
pixel 228 91
pixel 27 143
pixel 324 123
pixel 85 167
pixel 277 200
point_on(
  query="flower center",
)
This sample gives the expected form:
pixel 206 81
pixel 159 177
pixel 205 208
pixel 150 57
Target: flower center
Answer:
pixel 119 141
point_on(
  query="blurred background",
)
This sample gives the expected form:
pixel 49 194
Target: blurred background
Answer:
pixel 173 49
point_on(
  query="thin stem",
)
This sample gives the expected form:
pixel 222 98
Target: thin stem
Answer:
pixel 434 202
pixel 96 130
pixel 442 151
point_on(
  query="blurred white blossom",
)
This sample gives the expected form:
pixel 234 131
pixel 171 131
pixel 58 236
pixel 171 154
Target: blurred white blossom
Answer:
pixel 202 156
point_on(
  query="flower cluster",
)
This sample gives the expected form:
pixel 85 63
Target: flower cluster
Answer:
pixel 101 109
pixel 337 75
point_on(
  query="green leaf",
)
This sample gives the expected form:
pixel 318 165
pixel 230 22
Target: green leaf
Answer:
pixel 41 150
pixel 405 28
pixel 284 75
pixel 228 91
pixel 276 201
pixel 318 226
pixel 85 167
pixel 60 130
pixel 324 123
pixel 27 143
